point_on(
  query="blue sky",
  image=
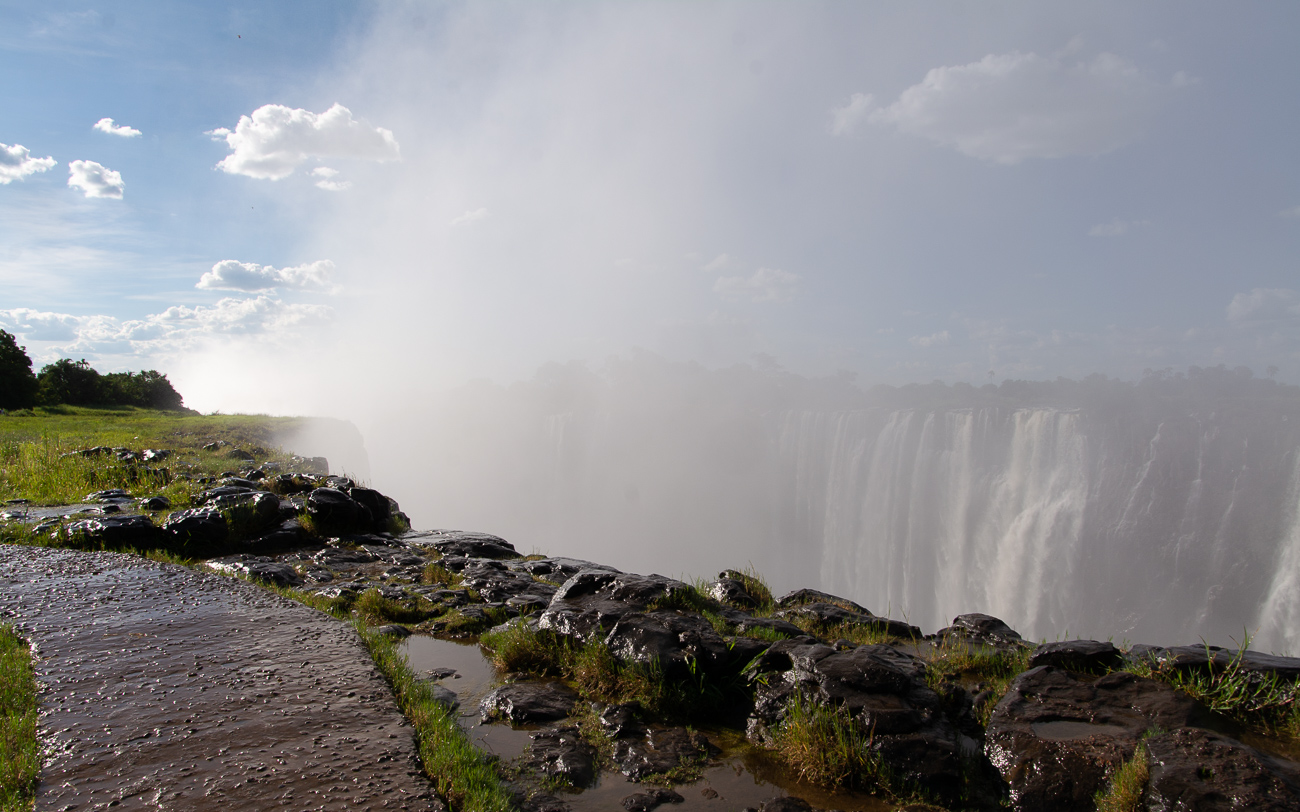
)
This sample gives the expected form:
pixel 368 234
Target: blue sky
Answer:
pixel 905 191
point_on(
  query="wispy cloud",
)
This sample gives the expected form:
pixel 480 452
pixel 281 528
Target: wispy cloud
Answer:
pixel 16 163
pixel 231 274
pixel 105 125
pixel 1008 108
pixel 95 180
pixel 470 217
pixel 933 340
pixel 1264 305
pixel 764 285
pixel 275 140
pixel 846 118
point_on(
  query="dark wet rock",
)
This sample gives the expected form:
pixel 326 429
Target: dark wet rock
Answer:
pixel 238 482
pixel 240 454
pixel 830 615
pixel 1197 770
pixel 783 655
pixel 802 596
pixel 743 650
pixel 561 753
pixel 622 721
pixel 674 640
pixel 787 803
pixel 111 495
pixel 982 628
pixel 110 508
pixel 730 589
pixel 746 623
pixel 379 506
pixel 556 570
pixel 1056 737
pixel 290 484
pixel 288 534
pixel 645 801
pixel 540 802
pixel 528 702
pixel 661 750
pixel 1077 655
pixel 253 513
pixel 348 589
pixel 392 630
pixel 198 526
pixel 495 583
pixel 340 556
pixel 155 454
pixel 591 602
pixel 334 512
pixel 459 543
pixel 439 673
pixel 258 568
pixel 444 696
pixel 1207 659
pixel 156 503
pixel 118 531
pixel 97 451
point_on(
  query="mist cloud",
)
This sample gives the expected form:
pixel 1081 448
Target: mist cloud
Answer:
pixel 16 163
pixel 230 274
pixel 275 140
pixel 1012 107
pixel 764 285
pixel 1263 305
pixel 95 179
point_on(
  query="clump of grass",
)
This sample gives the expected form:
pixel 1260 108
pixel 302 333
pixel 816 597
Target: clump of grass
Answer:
pixel 757 588
pixel 687 597
pixel 463 775
pixel 995 668
pixel 825 745
pixel 1263 701
pixel 519 648
pixel 1127 785
pixel 862 634
pixel 459 624
pixel 435 573
pixel 375 608
pixel 20 756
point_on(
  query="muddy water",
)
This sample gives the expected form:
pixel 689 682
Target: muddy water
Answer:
pixel 169 689
pixel 743 776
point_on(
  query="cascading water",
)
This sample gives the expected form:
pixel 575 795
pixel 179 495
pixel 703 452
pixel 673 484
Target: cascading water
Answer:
pixel 1163 512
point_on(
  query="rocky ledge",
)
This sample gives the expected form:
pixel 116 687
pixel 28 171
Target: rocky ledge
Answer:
pixel 970 716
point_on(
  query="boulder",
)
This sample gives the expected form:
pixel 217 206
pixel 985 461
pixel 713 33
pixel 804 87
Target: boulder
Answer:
pixel 982 628
pixel 591 602
pixel 786 803
pixel 379 506
pixel 730 589
pixel 258 568
pixel 645 801
pixel 458 543
pixel 561 753
pixel 556 570
pixel 1078 655
pixel 1197 770
pixel 1215 659
pixel 204 527
pixel 829 615
pixel 661 750
pixel 802 596
pixel 336 513
pixel 1057 737
pixel 118 531
pixel 674 640
pixel 621 721
pixel 155 503
pixel 522 702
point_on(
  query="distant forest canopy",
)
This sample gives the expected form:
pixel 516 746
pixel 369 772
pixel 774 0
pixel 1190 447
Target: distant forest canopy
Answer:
pixel 76 383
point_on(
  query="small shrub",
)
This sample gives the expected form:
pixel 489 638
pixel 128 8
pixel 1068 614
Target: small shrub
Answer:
pixel 435 573
pixel 373 607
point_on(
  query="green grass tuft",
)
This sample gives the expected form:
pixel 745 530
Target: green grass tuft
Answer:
pixel 20 755
pixel 1127 785
pixel 956 661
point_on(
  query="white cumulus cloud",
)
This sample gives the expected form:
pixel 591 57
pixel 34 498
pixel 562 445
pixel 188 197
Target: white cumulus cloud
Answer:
pixel 1264 304
pixel 764 285
pixel 95 180
pixel 845 119
pixel 1011 107
pixel 105 125
pixel 16 163
pixel 231 274
pixel 327 182
pixel 275 140
pixel 470 217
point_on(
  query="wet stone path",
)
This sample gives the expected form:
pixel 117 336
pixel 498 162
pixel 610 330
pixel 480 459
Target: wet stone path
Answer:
pixel 165 688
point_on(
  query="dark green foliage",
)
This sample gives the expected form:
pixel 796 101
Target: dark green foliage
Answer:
pixel 17 383
pixel 76 383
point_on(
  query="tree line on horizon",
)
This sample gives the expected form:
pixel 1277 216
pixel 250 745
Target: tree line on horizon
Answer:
pixel 76 383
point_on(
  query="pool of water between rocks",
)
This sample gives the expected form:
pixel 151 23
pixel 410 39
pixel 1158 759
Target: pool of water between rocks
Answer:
pixel 742 776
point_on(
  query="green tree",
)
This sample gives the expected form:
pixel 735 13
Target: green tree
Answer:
pixel 74 383
pixel 17 383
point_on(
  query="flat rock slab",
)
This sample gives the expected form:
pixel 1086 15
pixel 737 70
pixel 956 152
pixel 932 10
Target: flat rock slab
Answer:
pixel 166 688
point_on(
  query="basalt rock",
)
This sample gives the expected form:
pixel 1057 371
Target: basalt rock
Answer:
pixel 522 702
pixel 801 596
pixel 1057 737
pixel 458 543
pixel 981 628
pixel 1217 660
pixel 258 568
pixel 1197 770
pixel 592 601
pixel 730 589
pixel 555 570
pixel 645 801
pixel 561 753
pixel 118 531
pixel 828 615
pixel 676 641
pixel 662 750
pixel 205 527
pixel 1078 655
pixel 336 513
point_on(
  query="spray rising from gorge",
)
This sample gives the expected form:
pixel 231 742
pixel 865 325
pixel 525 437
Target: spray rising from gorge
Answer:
pixel 1162 510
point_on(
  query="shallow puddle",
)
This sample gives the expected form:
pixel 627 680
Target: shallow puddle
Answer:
pixel 743 776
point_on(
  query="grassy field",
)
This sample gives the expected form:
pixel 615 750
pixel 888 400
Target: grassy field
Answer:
pixel 20 758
